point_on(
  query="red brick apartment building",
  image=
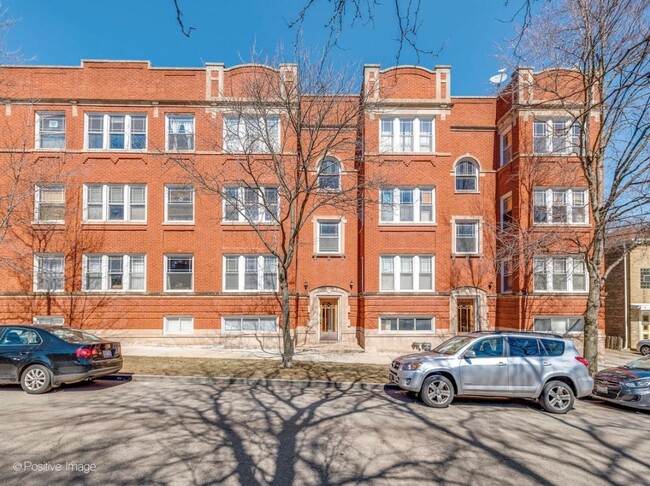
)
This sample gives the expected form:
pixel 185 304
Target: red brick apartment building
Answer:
pixel 465 232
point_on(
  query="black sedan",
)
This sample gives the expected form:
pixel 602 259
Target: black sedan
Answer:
pixel 43 357
pixel 627 385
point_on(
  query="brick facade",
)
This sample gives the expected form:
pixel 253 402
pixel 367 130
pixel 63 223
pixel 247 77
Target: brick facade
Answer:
pixel 420 256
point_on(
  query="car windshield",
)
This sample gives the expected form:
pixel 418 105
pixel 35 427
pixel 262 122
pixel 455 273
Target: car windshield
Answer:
pixel 75 335
pixel 638 364
pixel 453 345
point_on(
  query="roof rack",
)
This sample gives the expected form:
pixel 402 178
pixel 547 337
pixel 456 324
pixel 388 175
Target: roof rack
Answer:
pixel 528 333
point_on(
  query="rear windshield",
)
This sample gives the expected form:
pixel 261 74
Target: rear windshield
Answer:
pixel 453 345
pixel 75 336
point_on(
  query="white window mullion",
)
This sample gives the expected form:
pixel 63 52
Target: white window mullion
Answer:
pixel 242 271
pixel 398 273
pixel 416 134
pixel 416 273
pixel 549 205
pixel 104 268
pixel 549 274
pixel 126 272
pixel 396 134
pixel 260 273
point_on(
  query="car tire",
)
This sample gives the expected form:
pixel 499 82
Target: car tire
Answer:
pixel 437 391
pixel 557 397
pixel 36 379
pixel 645 350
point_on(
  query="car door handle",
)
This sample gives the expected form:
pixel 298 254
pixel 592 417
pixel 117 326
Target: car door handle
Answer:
pixel 546 363
pixel 501 363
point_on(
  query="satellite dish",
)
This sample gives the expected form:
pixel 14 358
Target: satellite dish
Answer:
pixel 500 77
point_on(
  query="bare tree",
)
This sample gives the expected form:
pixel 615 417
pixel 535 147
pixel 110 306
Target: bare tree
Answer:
pixel 605 89
pixel 290 149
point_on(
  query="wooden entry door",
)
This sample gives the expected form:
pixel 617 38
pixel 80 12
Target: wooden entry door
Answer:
pixel 465 315
pixel 329 319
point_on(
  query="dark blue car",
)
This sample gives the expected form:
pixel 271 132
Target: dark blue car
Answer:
pixel 43 357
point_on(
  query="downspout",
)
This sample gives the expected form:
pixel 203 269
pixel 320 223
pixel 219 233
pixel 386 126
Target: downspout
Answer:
pixel 625 299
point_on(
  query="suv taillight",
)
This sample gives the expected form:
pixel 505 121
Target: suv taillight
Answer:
pixel 583 361
pixel 86 352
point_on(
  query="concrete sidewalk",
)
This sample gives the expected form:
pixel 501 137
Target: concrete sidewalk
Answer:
pixel 608 359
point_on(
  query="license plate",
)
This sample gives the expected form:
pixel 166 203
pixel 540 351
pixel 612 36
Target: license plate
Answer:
pixel 601 389
pixel 107 353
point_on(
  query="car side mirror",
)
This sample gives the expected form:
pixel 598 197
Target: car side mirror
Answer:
pixel 469 354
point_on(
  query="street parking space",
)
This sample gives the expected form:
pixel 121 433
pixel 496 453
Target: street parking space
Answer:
pixel 175 432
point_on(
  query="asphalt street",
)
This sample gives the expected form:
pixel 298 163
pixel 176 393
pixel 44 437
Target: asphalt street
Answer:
pixel 175 432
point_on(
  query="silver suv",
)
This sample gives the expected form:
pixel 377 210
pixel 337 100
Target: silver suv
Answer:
pixel 504 364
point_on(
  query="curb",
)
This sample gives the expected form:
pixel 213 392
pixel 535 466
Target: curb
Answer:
pixel 266 382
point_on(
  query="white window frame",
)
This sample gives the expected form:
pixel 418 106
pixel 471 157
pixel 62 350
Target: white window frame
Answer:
pixel 549 200
pixel 340 222
pixel 239 204
pixel 406 332
pixel 241 319
pixel 395 144
pixel 39 132
pixel 474 176
pixel 569 265
pixel 166 323
pixel 126 188
pixel 331 174
pixel 183 187
pixel 234 143
pixel 502 206
pixel 644 278
pixel 106 131
pixel 188 117
pixel 479 239
pixel 127 274
pixel 397 273
pixel 549 125
pixel 178 256
pixel 505 147
pixel 38 257
pixel 567 319
pixel 241 273
pixel 48 320
pixel 38 202
pixel 396 194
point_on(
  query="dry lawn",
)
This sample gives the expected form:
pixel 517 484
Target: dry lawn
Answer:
pixel 255 368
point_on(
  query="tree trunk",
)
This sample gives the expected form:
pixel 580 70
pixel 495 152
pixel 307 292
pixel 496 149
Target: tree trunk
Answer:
pixel 287 340
pixel 594 304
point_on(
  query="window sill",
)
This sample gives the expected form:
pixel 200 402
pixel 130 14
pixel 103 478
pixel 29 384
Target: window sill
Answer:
pixel 166 333
pixel 407 292
pixel 178 224
pixel 38 291
pixel 466 192
pixel 58 150
pixel 249 333
pixel 117 225
pixel 580 293
pixel 265 292
pixel 179 291
pixel 562 225
pixel 406 225
pixel 467 255
pixel 48 223
pixel 407 333
pixel 115 292
pixel 328 255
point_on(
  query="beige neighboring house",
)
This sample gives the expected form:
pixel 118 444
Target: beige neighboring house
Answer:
pixel 627 305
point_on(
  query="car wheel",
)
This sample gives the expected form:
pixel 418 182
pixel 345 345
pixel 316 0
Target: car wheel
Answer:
pixel 557 397
pixel 437 391
pixel 645 350
pixel 36 379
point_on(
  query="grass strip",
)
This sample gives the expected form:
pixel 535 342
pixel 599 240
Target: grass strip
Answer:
pixel 255 368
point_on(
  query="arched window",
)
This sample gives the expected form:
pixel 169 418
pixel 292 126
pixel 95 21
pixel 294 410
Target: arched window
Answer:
pixel 466 176
pixel 329 177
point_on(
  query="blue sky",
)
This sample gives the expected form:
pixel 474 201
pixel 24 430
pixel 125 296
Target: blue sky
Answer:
pixel 469 33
